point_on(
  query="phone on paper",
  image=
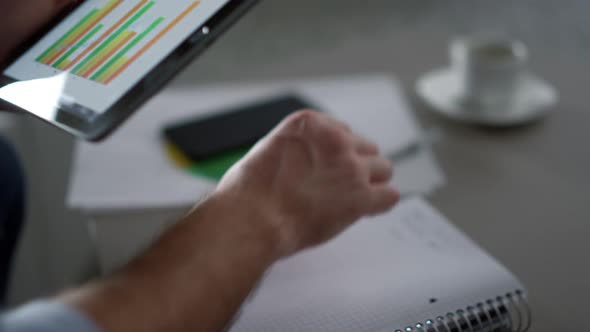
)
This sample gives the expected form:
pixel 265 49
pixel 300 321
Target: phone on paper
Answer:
pixel 231 129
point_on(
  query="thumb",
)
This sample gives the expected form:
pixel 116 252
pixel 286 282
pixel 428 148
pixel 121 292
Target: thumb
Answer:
pixel 23 18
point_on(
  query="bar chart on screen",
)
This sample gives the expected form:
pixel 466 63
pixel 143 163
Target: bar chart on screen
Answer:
pixel 111 35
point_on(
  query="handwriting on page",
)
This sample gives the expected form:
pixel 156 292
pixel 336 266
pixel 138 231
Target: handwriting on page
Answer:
pixel 420 223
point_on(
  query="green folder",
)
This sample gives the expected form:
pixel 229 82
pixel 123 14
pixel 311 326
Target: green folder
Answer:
pixel 213 168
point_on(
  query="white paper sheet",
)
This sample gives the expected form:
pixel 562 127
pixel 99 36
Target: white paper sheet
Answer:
pixel 378 276
pixel 130 170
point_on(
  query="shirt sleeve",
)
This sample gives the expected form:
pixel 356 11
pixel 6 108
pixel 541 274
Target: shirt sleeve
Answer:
pixel 46 316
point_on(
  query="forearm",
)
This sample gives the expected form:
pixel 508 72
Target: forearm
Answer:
pixel 194 279
pixel 300 186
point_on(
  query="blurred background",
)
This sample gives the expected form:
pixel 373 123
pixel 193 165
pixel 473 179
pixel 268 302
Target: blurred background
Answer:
pixel 522 193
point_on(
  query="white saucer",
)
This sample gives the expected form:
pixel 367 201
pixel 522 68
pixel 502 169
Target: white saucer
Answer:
pixel 440 90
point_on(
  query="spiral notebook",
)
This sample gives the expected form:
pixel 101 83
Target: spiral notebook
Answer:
pixel 406 271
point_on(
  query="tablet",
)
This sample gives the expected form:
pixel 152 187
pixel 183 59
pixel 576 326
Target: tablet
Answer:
pixel 100 61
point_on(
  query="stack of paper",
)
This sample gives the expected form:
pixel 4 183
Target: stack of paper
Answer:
pixel 131 171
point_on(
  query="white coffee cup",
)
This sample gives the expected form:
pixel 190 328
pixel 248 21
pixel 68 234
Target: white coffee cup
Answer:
pixel 490 70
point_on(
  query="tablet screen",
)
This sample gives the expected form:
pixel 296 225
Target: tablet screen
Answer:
pixel 104 47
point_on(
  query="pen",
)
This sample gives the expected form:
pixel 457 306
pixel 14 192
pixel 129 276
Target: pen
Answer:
pixel 426 140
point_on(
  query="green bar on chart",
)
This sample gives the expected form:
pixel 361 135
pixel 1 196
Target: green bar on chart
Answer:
pixel 112 69
pixel 61 63
pixel 51 51
pixel 107 52
pixel 79 69
pixel 101 75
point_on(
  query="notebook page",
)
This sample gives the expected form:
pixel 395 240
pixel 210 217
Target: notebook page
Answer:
pixel 378 276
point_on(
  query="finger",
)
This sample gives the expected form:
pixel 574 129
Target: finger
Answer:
pixel 364 147
pixel 23 18
pixel 303 120
pixel 335 122
pixel 380 170
pixel 297 123
pixel 383 199
pixel 328 135
pixel 63 3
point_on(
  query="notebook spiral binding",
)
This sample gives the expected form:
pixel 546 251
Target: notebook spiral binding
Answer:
pixel 507 313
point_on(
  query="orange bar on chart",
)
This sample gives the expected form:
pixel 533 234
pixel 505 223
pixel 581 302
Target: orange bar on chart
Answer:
pixel 106 34
pixel 91 24
pixel 109 52
pixel 154 41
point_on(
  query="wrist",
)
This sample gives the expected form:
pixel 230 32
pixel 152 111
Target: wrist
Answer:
pixel 239 223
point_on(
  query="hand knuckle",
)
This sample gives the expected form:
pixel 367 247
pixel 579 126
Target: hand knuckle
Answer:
pixel 353 168
pixel 305 115
pixel 347 162
pixel 338 139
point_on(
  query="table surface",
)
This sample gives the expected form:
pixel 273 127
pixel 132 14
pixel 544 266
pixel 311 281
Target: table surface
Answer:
pixel 522 193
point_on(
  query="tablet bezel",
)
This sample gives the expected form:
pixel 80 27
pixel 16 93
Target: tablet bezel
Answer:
pixel 101 125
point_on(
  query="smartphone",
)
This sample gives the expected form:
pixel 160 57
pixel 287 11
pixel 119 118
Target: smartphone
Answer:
pixel 231 129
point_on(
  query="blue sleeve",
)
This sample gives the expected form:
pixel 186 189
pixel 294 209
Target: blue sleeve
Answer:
pixel 46 317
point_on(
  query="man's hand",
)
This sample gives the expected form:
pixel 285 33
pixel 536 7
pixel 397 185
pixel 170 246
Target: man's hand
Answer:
pixel 20 19
pixel 309 180
pixel 300 186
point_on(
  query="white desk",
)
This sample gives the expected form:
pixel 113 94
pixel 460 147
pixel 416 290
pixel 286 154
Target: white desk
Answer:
pixel 523 194
pixel 131 191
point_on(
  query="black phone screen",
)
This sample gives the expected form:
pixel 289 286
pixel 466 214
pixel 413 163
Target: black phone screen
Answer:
pixel 228 130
